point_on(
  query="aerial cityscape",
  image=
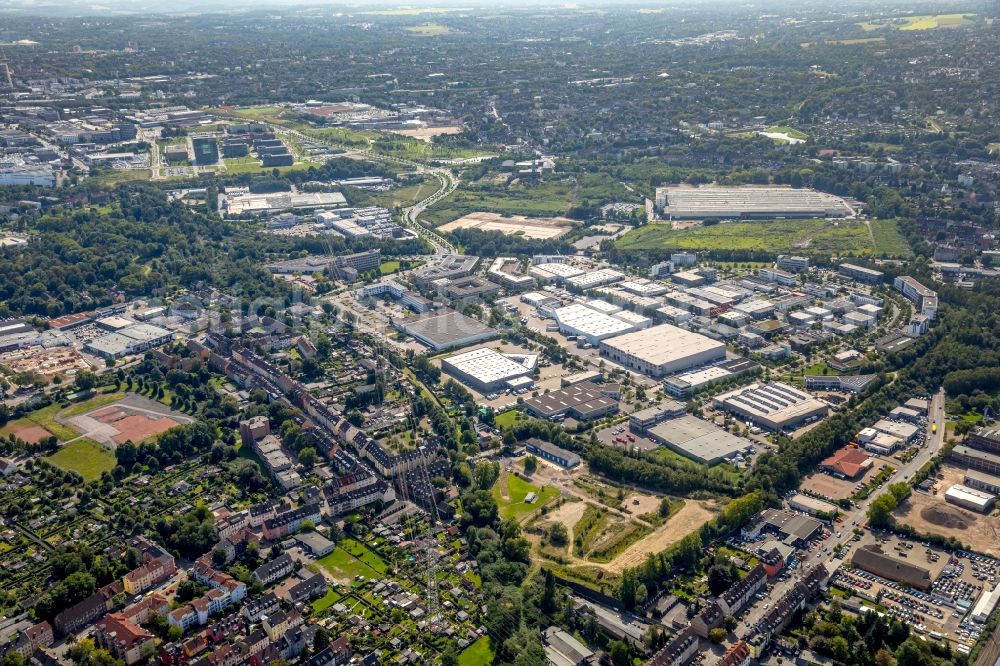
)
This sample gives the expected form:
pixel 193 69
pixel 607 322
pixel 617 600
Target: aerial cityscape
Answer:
pixel 520 334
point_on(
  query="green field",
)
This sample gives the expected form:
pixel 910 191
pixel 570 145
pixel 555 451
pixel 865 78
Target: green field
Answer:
pixel 406 195
pixel 393 145
pixel 477 654
pixel 113 177
pixel 517 488
pixel 351 559
pixel 90 405
pixel 506 419
pixel 85 457
pixel 237 165
pixel 928 22
pixel 388 267
pixel 824 237
pixel 329 599
pixel 545 199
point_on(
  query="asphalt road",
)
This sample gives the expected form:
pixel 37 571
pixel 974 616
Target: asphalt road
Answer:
pixel 854 518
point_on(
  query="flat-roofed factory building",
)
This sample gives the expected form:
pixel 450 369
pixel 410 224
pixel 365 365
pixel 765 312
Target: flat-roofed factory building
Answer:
pixel 662 350
pixel 552 453
pixel 445 329
pixel 775 405
pixel 583 401
pixel 970 498
pixel 873 560
pixel 749 202
pixel 697 439
pixel 486 369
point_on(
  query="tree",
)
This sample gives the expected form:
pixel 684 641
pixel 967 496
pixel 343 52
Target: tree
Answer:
pixel 717 635
pixel 621 655
pixel 530 465
pixel 558 535
pixel 308 457
pixel 85 381
pixel 720 578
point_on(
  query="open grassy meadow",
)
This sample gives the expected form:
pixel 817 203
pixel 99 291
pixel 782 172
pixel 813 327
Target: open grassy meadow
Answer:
pixel 929 22
pixel 85 457
pixel 351 559
pixel 549 198
pixel 826 237
pixel 514 507
pixel 480 652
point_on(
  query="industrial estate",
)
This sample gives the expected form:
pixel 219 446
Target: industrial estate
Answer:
pixel 525 336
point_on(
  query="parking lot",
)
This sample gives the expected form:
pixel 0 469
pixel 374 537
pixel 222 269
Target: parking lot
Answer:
pixel 959 579
pixel 829 486
pixel 619 435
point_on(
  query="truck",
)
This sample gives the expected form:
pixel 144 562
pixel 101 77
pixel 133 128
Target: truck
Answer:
pixel 934 427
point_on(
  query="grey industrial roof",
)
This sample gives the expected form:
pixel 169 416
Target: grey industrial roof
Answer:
pixel 699 438
pixel 446 327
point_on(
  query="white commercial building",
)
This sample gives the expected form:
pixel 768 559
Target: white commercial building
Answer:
pixel 984 607
pixel 749 202
pixel 554 272
pixel 487 369
pixel 597 278
pixel 970 498
pixel 589 324
pixel 662 350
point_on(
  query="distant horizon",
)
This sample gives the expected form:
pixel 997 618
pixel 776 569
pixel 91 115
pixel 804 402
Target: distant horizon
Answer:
pixel 419 7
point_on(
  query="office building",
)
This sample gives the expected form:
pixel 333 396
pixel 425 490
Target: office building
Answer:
pixel 925 298
pixel 862 274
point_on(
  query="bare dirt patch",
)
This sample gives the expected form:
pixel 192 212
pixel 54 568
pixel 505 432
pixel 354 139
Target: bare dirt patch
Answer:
pixel 541 228
pixel 688 519
pixel 32 434
pixel 930 513
pixel 124 422
pixel 646 504
pixel 428 133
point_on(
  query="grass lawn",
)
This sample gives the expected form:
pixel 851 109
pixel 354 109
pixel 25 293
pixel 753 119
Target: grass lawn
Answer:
pixel 506 419
pixel 84 456
pixel 96 402
pixel 351 559
pixel 328 600
pixel 45 417
pixel 406 195
pixel 477 654
pixel 822 237
pixel 929 22
pixel 388 267
pixel 517 488
pixel 545 199
pixel 115 176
